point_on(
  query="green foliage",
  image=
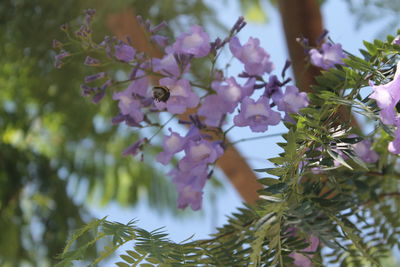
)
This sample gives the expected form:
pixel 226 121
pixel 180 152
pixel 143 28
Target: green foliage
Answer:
pixel 55 145
pixel 318 188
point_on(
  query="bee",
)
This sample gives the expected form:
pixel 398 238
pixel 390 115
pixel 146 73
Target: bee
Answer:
pixel 161 93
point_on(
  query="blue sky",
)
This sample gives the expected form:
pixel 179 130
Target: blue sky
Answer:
pixel 341 24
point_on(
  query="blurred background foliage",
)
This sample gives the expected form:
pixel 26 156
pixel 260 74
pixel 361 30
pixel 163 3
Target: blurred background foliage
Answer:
pixel 57 150
pixel 368 11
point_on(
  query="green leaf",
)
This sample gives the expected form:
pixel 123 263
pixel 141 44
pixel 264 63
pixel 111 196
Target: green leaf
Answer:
pixel 133 254
pixel 370 47
pixel 337 157
pixel 153 260
pixel 277 160
pixel 127 258
pixel 261 170
pixel 268 181
pixel 278 188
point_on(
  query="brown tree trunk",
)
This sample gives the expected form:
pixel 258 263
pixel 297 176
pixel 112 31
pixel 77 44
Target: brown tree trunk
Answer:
pixel 302 18
pixel 232 163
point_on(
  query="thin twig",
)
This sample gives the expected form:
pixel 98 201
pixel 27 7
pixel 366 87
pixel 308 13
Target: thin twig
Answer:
pixel 161 127
pixel 256 138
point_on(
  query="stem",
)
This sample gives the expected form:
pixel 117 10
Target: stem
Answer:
pixel 256 138
pixel 208 89
pixel 129 80
pixel 161 127
pixel 227 130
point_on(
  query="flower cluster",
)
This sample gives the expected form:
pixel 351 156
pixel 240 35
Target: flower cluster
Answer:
pixel 196 149
pixel 192 171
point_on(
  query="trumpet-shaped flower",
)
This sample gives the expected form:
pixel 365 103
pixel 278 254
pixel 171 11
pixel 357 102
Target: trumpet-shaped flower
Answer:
pixel 256 114
pixel 196 42
pixel 255 58
pixel 328 56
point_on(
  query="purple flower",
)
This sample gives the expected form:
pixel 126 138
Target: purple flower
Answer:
pixel 98 96
pixel 212 110
pixel 387 96
pixel 191 174
pixel 214 107
pixel 87 91
pixel 89 61
pixel 168 65
pixel 95 77
pixel 292 100
pixel 396 40
pixel 196 43
pixel 129 106
pixel 57 59
pixel 232 93
pixel 238 26
pixel 171 144
pixel 188 196
pixel 190 184
pixel 273 89
pixel 135 148
pixel 84 32
pixel 192 171
pixel 394 146
pixel 364 151
pixel 328 56
pixel 255 58
pixel 160 40
pixel 128 120
pixel 200 152
pixel 101 92
pixel 140 85
pixel 124 52
pixel 258 115
pixel 301 260
pixel 89 13
pixel 181 96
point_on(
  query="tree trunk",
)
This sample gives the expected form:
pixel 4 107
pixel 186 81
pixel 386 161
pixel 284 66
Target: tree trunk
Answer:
pixel 303 19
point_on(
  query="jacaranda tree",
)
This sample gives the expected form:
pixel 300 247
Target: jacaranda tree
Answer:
pixel 333 193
